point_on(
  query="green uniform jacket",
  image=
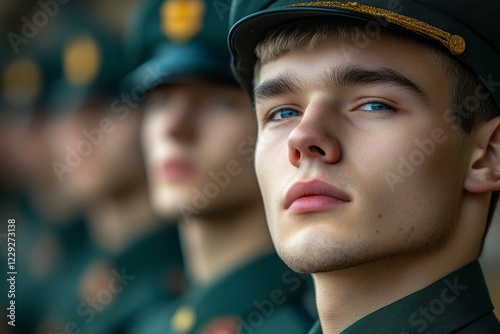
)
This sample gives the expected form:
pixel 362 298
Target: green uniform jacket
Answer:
pixel 457 303
pixel 154 268
pixel 262 297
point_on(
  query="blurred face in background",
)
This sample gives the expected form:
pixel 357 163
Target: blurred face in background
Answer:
pixel 198 141
pixel 17 149
pixel 107 150
pixel 25 142
pixel 25 147
pixel 35 156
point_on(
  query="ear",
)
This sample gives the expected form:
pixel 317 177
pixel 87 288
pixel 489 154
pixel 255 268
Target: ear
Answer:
pixel 484 169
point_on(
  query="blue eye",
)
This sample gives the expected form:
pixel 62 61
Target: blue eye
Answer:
pixel 283 113
pixel 376 107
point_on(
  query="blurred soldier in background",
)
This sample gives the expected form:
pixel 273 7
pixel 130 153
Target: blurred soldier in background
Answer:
pixel 198 135
pixel 133 258
pixel 49 230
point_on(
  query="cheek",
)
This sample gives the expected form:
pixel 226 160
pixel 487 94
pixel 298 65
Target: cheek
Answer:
pixel 267 170
pixel 272 167
pixel 120 149
pixel 441 175
pixel 231 139
pixel 152 129
pixel 120 141
pixel 149 141
pixel 410 175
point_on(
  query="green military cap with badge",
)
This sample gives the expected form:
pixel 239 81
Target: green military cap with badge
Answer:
pixel 26 82
pixel 21 84
pixel 175 40
pixel 92 64
pixel 467 30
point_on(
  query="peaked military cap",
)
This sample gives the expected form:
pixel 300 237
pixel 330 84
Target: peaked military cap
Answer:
pixel 468 30
pixel 22 83
pixel 180 39
pixel 91 61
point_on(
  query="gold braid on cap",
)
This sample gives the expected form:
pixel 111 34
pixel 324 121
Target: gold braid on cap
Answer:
pixel 454 43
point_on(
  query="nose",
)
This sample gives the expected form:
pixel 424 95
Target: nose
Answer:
pixel 180 123
pixel 171 121
pixel 313 138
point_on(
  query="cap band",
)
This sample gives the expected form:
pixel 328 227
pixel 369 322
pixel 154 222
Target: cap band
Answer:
pixel 455 43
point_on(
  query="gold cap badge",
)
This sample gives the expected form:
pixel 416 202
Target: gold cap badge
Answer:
pixel 82 60
pixel 21 82
pixel 182 19
pixel 183 320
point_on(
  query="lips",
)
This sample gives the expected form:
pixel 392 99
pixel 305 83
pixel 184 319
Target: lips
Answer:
pixel 314 196
pixel 175 170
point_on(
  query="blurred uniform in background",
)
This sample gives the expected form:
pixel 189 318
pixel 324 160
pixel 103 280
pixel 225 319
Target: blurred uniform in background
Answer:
pixel 49 229
pixel 198 135
pixel 132 258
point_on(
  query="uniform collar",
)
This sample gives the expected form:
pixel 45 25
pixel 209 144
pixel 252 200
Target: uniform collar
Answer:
pixel 442 307
pixel 236 294
pixel 155 265
pixel 160 247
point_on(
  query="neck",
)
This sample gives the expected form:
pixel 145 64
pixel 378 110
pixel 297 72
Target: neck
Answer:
pixel 117 220
pixel 216 244
pixel 345 296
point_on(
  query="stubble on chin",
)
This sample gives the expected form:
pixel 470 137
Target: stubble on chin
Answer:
pixel 321 256
pixel 308 256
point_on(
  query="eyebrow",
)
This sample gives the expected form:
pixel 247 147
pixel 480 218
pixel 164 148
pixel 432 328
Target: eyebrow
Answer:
pixel 336 77
pixel 284 83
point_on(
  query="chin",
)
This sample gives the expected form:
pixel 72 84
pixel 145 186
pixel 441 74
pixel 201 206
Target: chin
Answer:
pixel 167 203
pixel 312 251
pixel 317 259
pixel 82 194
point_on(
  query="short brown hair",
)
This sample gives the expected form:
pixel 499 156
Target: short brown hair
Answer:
pixel 471 103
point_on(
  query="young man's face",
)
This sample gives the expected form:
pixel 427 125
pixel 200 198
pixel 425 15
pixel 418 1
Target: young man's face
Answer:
pixel 198 142
pixel 356 157
pixel 113 164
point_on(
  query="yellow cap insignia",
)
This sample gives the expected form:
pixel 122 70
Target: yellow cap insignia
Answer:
pixel 82 60
pixel 21 82
pixel 184 319
pixel 182 19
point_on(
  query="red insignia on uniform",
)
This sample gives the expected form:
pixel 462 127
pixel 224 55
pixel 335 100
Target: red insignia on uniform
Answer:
pixel 223 325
